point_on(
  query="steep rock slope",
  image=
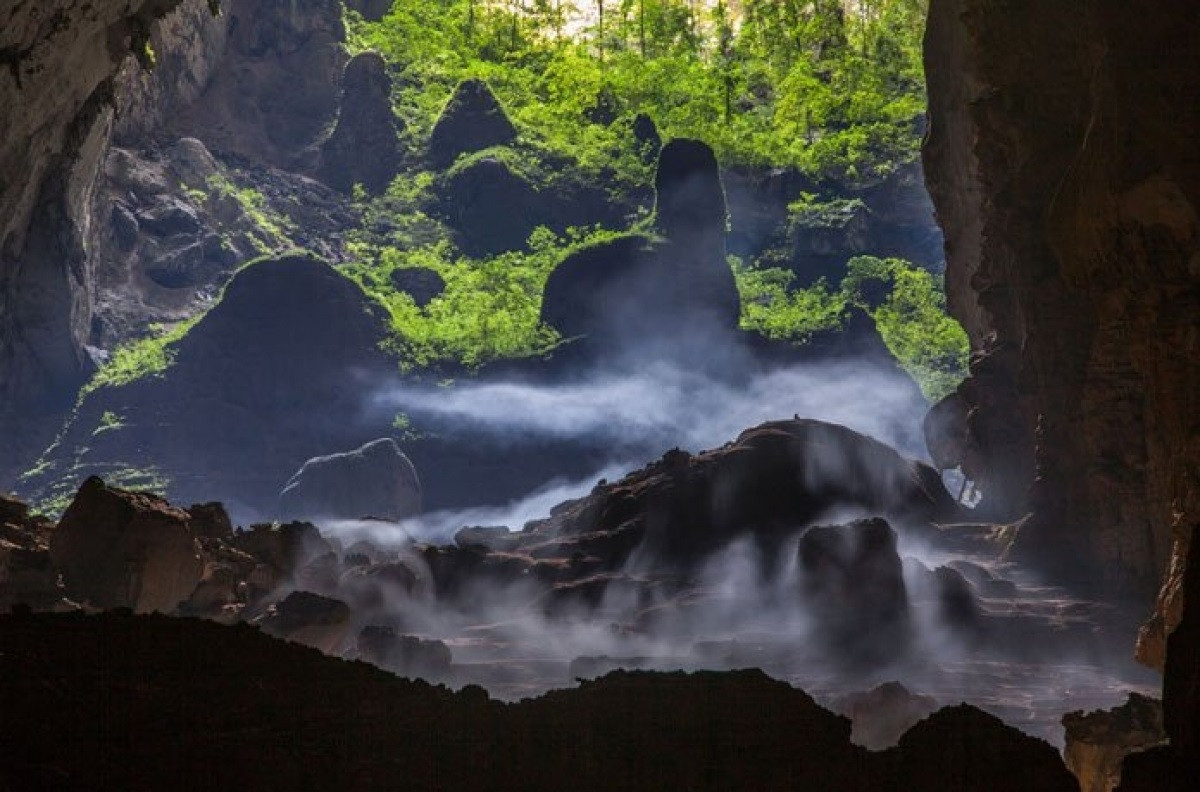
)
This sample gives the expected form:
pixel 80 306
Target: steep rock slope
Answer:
pixel 1062 163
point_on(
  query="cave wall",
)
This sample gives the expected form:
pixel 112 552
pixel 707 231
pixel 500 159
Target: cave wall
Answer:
pixel 256 80
pixel 63 58
pixel 1062 161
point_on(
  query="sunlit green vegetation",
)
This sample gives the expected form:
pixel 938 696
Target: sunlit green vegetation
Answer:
pixel 144 357
pixel 831 86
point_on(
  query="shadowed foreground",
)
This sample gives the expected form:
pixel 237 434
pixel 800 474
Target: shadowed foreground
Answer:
pixel 150 702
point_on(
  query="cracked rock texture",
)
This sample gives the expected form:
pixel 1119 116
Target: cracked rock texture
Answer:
pixel 1062 162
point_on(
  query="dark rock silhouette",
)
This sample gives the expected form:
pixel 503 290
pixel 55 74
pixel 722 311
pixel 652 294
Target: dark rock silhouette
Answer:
pixel 263 382
pixel 472 120
pixel 674 292
pixel 364 147
pixel 259 699
pixel 646 137
pixel 120 549
pixel 371 10
pixel 376 480
pixel 420 283
pixel 852 580
pixel 492 207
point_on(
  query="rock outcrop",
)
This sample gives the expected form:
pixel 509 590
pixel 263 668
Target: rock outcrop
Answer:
pixel 121 549
pixel 472 120
pixel 277 86
pixel 883 714
pixel 767 484
pixel 275 359
pixel 1068 193
pixel 365 146
pixel 852 581
pixel 636 731
pixel 1098 742
pixel 376 480
pixel 671 292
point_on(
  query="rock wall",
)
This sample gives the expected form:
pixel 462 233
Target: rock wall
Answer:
pixel 1062 163
pixel 63 58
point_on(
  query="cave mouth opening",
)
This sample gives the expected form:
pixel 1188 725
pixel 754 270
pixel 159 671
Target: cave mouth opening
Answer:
pixel 465 186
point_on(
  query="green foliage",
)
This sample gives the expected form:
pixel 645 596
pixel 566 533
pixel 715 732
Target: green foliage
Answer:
pixel 490 308
pixel 276 228
pixel 833 88
pixel 909 308
pixel 771 307
pixel 144 357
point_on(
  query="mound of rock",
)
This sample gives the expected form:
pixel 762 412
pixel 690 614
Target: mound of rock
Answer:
pixel 852 580
pixel 1098 742
pixel 264 381
pixel 376 480
pixel 883 713
pixel 310 619
pixel 472 120
pixel 364 147
pixel 672 292
pixel 406 655
pixel 492 208
pixel 27 573
pixel 121 549
pixel 770 482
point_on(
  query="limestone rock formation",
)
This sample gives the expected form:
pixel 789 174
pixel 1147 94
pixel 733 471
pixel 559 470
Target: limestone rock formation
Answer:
pixel 276 89
pixel 883 713
pixel 1069 195
pixel 371 10
pixel 492 207
pixel 632 290
pixel 421 283
pixel 770 481
pixel 121 549
pixel 472 120
pixel 27 573
pixel 376 480
pixel 364 147
pixel 275 359
pixel 1098 742
pixel 406 655
pixel 310 619
pixel 853 583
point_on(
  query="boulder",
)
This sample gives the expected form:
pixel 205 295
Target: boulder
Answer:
pixel 376 480
pixel 379 586
pixel 421 283
pixel 210 520
pixel 282 549
pixel 471 121
pixel 310 619
pixel 883 713
pixel 946 433
pixel 491 207
pixel 1098 742
pixel 193 163
pixel 852 583
pixel 122 549
pixel 364 147
pixel 406 655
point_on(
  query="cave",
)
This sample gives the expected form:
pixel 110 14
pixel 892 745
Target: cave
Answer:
pixel 486 395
